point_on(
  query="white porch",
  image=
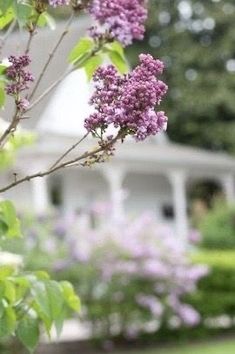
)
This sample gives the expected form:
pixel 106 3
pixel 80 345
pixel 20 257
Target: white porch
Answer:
pixel 152 181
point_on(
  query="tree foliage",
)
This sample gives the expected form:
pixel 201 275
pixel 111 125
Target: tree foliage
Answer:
pixel 196 40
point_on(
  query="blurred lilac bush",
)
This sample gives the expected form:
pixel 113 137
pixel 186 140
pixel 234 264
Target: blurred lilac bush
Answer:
pixel 131 275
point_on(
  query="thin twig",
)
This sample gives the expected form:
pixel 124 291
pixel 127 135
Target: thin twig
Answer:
pixel 51 55
pixel 11 128
pixel 49 89
pixel 69 150
pixel 62 77
pixel 65 164
pixel 31 34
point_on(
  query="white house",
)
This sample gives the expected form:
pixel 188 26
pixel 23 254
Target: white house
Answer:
pixel 156 173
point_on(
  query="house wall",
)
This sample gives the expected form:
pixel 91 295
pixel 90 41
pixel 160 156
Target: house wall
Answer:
pixel 146 192
pixel 81 189
pixel 142 192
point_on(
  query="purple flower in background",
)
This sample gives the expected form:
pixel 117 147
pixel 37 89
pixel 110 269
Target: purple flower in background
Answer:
pixel 195 237
pixel 128 102
pixel 56 3
pixel 154 268
pixel 150 302
pixel 124 19
pixel 128 261
pixel 188 315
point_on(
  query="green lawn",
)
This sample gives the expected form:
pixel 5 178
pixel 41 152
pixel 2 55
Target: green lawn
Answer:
pixel 216 347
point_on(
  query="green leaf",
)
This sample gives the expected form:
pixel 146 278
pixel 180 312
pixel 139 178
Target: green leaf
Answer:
pixel 9 291
pixel 5 5
pixel 5 272
pixel 119 62
pixel 22 286
pixel 3 226
pixel 70 297
pixel 6 18
pixel 92 64
pixel 49 298
pixel 2 97
pixel 59 322
pixel 28 333
pixel 42 275
pixel 46 19
pixel 8 215
pixel 2 308
pixel 2 69
pixel 116 54
pixel 7 322
pixel 46 321
pixel 116 47
pixel 83 47
pixel 22 11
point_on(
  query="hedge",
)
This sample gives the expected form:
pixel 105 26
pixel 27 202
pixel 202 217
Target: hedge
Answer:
pixel 216 292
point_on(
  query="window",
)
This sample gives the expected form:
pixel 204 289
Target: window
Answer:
pixel 168 211
pixel 56 191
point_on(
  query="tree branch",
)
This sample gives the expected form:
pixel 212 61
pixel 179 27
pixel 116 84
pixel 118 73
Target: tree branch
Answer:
pixel 31 34
pixel 65 164
pixel 11 128
pixel 49 89
pixel 69 150
pixel 52 54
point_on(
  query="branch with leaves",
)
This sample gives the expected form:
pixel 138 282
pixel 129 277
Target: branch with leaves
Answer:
pixel 123 101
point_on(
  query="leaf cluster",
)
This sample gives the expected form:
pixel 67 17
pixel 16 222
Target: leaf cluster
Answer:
pixel 29 301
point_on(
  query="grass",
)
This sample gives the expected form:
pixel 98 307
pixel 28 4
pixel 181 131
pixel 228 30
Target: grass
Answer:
pixel 214 347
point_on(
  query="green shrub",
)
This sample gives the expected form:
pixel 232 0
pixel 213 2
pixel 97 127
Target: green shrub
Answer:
pixel 216 292
pixel 218 228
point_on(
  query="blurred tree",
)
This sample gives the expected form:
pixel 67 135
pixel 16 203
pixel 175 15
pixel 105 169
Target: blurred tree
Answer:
pixel 196 39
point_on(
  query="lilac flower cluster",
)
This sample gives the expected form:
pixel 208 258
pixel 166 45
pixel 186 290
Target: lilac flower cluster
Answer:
pixel 124 19
pixel 19 79
pixel 127 102
pixel 56 3
pixel 135 262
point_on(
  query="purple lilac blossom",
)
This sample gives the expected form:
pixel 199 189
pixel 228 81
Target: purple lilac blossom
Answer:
pixel 151 302
pixel 19 79
pixel 128 102
pixel 188 315
pixel 195 237
pixel 124 19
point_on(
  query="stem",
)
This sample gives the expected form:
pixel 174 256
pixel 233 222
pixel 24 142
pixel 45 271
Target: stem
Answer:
pixel 49 89
pixel 69 150
pixel 11 128
pixel 52 54
pixel 65 164
pixel 31 34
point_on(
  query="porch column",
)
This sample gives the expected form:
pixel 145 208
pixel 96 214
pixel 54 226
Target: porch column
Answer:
pixel 40 195
pixel 228 184
pixel 178 182
pixel 115 176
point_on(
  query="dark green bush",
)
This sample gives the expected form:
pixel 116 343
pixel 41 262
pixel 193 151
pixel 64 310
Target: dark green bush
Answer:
pixel 218 227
